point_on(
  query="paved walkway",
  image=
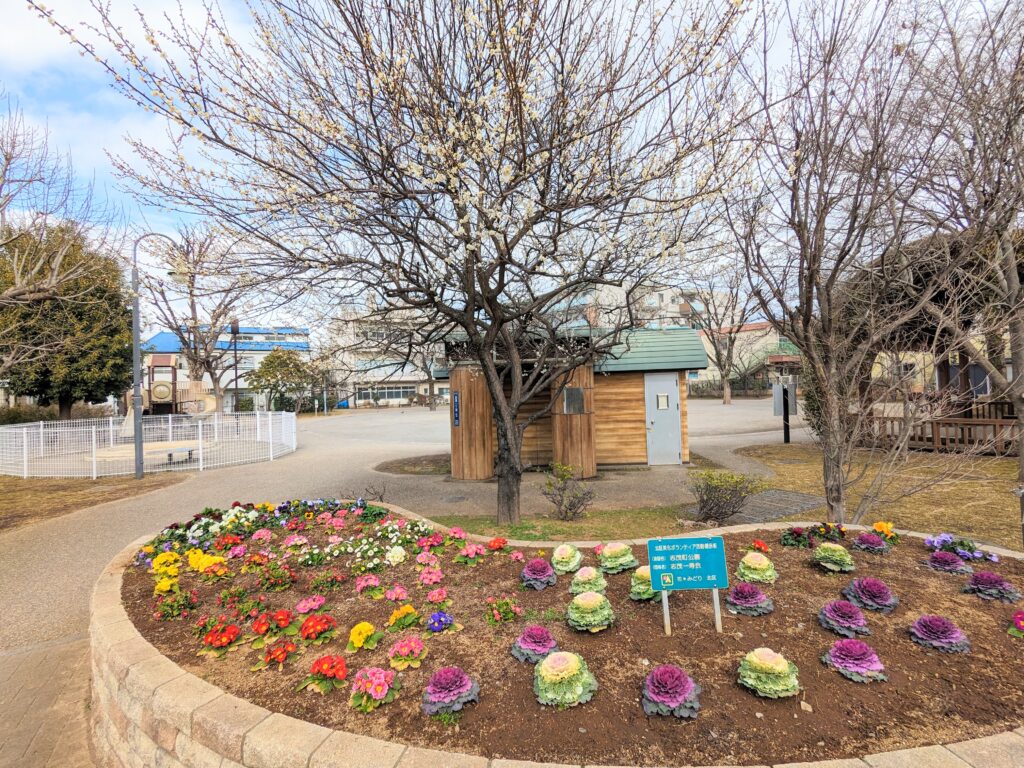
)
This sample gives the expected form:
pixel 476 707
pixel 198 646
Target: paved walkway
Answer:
pixel 48 569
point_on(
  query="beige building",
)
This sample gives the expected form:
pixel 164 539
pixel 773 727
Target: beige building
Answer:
pixel 759 350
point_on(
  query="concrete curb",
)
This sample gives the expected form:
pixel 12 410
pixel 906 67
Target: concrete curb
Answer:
pixel 148 711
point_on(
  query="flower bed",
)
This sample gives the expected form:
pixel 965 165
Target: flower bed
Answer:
pixel 611 726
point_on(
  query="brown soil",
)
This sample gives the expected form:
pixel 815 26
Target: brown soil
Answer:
pixel 436 464
pixel 930 697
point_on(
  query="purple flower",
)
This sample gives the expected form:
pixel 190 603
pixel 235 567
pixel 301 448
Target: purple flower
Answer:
pixel 748 600
pixel 533 644
pixel 844 618
pixel 939 633
pixel 871 594
pixel 991 586
pixel 854 659
pixel 668 690
pixel 871 542
pixel 947 562
pixel 449 690
pixel 538 573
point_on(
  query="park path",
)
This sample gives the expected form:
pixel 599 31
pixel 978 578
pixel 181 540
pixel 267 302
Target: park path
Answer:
pixel 47 569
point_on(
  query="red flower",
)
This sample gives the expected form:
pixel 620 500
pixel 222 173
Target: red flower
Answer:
pixel 330 666
pixel 316 625
pixel 221 635
pixel 497 544
pixel 283 618
pixel 279 652
pixel 759 546
pixel 262 624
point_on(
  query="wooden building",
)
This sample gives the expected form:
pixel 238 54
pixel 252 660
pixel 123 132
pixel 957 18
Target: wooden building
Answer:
pixel 627 408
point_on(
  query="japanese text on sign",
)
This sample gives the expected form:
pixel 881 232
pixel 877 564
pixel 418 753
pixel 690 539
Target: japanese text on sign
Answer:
pixel 692 562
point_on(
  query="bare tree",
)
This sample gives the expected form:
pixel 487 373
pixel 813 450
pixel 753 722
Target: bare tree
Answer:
pixel 197 289
pixel 823 225
pixel 513 169
pixel 976 188
pixel 46 215
pixel 727 305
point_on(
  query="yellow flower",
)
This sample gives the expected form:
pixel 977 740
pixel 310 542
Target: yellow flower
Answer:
pixel 883 528
pixel 165 585
pixel 398 614
pixel 767 660
pixel 200 561
pixel 359 633
pixel 149 549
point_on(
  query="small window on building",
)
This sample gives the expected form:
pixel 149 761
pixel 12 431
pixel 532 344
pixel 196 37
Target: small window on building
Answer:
pixel 573 400
pixel 662 402
pixel 908 369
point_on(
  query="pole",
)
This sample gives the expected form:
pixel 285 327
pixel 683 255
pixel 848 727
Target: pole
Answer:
pixel 785 417
pixel 93 451
pixel 200 427
pixel 718 610
pixel 664 613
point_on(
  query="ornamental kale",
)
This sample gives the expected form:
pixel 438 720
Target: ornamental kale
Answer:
pixel 947 562
pixel 844 618
pixel 448 691
pixel 769 674
pixel 616 557
pixel 533 644
pixel 748 600
pixel 587 579
pixel 833 557
pixel 668 690
pixel 871 542
pixel 856 660
pixel 538 573
pixel 991 586
pixel 566 559
pixel 590 612
pixel 640 584
pixel 939 633
pixel 756 567
pixel 871 594
pixel 563 680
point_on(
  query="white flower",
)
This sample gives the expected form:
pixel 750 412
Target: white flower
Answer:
pixel 395 555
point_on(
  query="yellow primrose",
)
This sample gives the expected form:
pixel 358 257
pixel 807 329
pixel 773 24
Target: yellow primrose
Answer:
pixel 399 613
pixel 359 633
pixel 165 585
pixel 149 549
pixel 883 528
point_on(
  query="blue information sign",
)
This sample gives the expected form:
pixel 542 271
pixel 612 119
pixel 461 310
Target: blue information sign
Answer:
pixel 688 562
pixel 455 408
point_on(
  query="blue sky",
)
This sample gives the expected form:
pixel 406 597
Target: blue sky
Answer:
pixel 71 95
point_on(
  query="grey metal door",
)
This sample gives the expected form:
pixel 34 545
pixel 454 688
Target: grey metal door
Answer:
pixel 664 435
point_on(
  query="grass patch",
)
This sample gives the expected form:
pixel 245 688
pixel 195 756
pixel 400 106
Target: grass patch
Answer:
pixel 703 462
pixel 601 525
pixel 34 499
pixel 438 464
pixel 976 503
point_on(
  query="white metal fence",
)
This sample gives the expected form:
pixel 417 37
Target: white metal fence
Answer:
pixel 102 447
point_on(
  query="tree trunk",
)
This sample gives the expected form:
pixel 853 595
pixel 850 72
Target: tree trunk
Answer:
pixel 431 403
pixel 1018 406
pixel 509 470
pixel 726 392
pixel 64 403
pixel 835 492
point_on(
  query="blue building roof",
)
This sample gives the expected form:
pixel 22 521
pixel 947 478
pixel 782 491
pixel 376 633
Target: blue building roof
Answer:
pixel 165 342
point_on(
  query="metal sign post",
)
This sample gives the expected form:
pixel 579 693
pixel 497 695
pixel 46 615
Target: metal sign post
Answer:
pixel 688 562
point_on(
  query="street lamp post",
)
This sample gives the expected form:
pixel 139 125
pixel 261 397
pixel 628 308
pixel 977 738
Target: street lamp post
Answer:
pixel 137 353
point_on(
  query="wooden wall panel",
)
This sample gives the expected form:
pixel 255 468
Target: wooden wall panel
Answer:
pixel 472 449
pixel 620 419
pixel 573 434
pixel 537 438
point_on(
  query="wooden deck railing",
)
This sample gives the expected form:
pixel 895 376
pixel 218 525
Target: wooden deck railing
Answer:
pixel 989 436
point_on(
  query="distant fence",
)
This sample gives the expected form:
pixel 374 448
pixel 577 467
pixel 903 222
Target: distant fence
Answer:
pixel 174 443
pixel 972 435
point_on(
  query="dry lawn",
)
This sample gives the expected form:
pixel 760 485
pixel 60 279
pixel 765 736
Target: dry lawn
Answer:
pixel 35 499
pixel 976 502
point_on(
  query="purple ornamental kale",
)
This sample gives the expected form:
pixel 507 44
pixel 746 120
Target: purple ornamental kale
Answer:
pixel 449 690
pixel 748 600
pixel 533 644
pixel 939 633
pixel 947 562
pixel 855 660
pixel 991 586
pixel 871 594
pixel 871 542
pixel 844 618
pixel 538 573
pixel 668 690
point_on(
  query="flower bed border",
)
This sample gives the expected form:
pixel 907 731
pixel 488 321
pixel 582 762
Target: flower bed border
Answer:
pixel 148 711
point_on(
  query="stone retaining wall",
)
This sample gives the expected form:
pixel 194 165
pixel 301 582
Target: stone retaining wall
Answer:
pixel 147 712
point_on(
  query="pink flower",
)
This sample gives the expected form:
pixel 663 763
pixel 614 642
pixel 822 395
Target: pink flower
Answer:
pixel 334 539
pixel 263 534
pixel 308 604
pixel 366 581
pixel 397 592
pixel 238 550
pixel 401 522
pixel 430 575
pixel 338 523
pixel 516 556
pixel 438 595
pixel 457 533
pixel 598 549
pixel 324 518
pixel 426 558
pixel 295 540
pixel 473 550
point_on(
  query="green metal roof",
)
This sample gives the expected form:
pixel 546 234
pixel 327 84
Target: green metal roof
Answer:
pixel 656 349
